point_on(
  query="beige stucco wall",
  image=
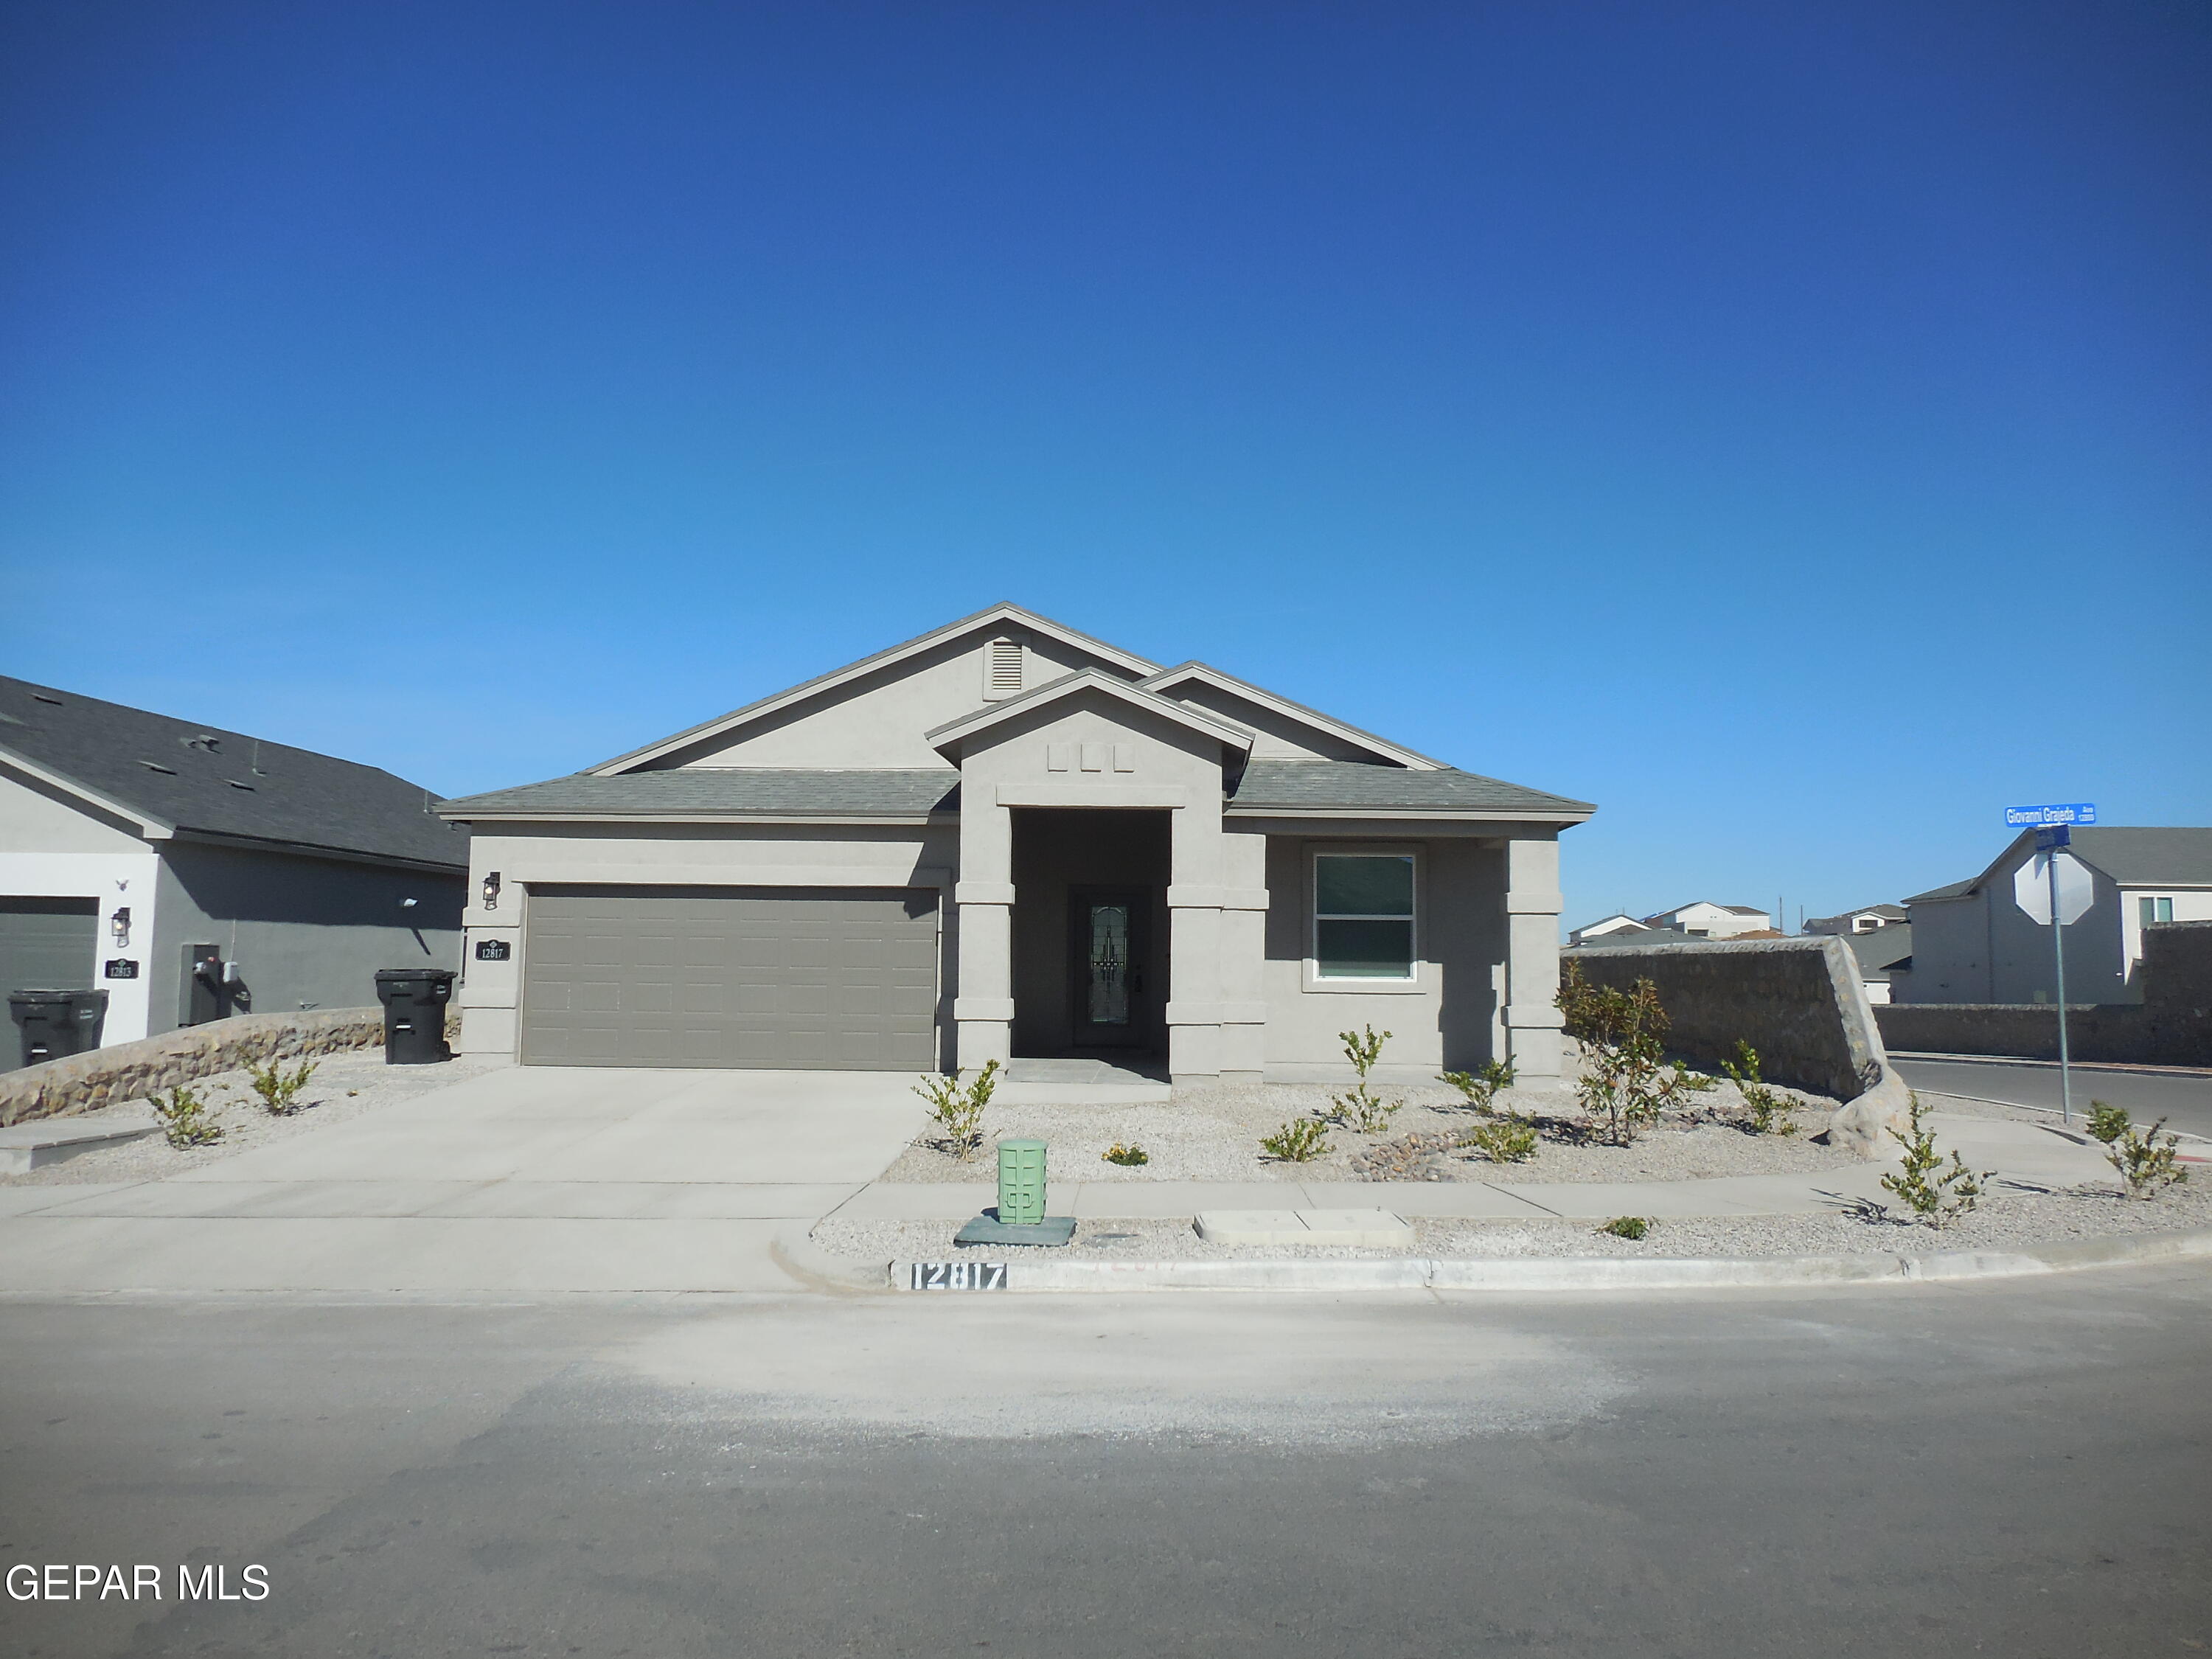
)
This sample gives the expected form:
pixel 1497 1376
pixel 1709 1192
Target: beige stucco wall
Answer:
pixel 879 719
pixel 1449 1015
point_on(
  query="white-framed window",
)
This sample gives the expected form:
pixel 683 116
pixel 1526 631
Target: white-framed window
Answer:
pixel 2155 909
pixel 1364 906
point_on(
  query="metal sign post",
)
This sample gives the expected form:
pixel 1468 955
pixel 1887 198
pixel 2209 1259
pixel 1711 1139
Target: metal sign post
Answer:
pixel 2053 907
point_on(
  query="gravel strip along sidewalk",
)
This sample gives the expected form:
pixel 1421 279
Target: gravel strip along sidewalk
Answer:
pixel 1214 1135
pixel 2005 1220
pixel 343 1086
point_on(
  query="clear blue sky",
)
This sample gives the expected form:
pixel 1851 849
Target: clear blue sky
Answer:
pixel 1784 425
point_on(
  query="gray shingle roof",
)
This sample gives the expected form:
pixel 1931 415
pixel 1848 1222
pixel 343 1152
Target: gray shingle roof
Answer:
pixel 2132 855
pixel 1352 786
pixel 901 792
pixel 217 782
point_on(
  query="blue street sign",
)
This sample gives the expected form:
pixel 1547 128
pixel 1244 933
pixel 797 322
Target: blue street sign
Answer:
pixel 2051 835
pixel 2024 817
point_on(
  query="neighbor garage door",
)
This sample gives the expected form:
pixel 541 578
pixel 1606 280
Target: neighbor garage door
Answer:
pixel 47 944
pixel 752 976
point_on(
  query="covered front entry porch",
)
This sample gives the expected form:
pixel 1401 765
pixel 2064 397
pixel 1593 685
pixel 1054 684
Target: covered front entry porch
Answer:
pixel 1091 924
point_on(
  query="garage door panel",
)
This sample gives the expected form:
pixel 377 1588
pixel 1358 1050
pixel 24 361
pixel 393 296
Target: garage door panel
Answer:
pixel 730 977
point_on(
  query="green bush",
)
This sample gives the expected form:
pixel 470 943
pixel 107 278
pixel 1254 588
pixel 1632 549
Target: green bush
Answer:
pixel 957 1110
pixel 1935 1194
pixel 1299 1141
pixel 1482 1087
pixel 279 1089
pixel 1625 1083
pixel 1626 1226
pixel 1361 1109
pixel 1128 1157
pixel 2145 1161
pixel 1507 1140
pixel 1768 1107
pixel 184 1119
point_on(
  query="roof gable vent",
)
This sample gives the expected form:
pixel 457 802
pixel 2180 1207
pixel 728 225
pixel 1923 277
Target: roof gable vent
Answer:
pixel 1002 670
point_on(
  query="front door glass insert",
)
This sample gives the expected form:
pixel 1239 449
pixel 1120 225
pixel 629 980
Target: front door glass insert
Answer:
pixel 1108 964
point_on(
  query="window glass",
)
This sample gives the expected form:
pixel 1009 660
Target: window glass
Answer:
pixel 1364 916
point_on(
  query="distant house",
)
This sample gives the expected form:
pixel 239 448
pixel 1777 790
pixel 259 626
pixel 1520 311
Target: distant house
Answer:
pixel 1972 943
pixel 1705 920
pixel 191 871
pixel 1615 924
pixel 1872 918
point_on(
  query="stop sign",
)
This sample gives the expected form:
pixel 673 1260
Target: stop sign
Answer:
pixel 2031 887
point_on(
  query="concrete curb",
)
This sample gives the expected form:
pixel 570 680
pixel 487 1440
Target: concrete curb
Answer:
pixel 793 1250
pixel 1571 1273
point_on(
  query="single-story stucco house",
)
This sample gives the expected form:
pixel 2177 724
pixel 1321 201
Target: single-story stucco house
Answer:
pixel 1003 838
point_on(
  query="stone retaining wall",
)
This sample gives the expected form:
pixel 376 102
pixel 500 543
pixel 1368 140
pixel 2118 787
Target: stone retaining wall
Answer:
pixel 2172 1026
pixel 1799 1001
pixel 131 1071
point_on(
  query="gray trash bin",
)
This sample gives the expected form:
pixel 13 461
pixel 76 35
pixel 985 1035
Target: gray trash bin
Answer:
pixel 54 1023
pixel 415 1000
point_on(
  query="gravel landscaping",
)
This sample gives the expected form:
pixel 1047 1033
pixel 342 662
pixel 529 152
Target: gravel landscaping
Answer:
pixel 1214 1135
pixel 343 1086
pixel 2010 1218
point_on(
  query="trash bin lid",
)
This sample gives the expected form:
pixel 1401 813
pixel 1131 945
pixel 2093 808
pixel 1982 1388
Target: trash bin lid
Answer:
pixel 395 975
pixel 52 996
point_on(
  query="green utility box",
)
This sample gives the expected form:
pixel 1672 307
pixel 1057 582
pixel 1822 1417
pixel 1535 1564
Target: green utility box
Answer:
pixel 1021 1181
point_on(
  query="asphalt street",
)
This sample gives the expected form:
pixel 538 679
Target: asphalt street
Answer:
pixel 2015 1468
pixel 2184 1102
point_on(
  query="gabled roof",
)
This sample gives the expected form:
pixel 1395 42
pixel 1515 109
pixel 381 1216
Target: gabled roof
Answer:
pixel 997 616
pixel 901 794
pixel 1168 680
pixel 2133 856
pixel 175 777
pixel 1733 909
pixel 1352 788
pixel 954 732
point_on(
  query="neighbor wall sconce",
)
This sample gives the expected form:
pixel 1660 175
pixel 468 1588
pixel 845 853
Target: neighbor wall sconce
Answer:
pixel 491 890
pixel 118 927
pixel 407 904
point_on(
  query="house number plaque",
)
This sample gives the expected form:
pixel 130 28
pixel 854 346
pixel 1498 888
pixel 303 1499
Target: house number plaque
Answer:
pixel 493 950
pixel 957 1276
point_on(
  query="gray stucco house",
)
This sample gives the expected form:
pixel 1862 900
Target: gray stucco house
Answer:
pixel 1003 838
pixel 191 871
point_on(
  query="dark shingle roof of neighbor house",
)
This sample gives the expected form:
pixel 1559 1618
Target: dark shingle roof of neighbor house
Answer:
pixel 2132 855
pixel 189 776
pixel 1882 949
pixel 1352 785
pixel 893 791
pixel 908 792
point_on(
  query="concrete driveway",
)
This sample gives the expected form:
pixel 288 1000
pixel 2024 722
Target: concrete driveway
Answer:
pixel 529 1178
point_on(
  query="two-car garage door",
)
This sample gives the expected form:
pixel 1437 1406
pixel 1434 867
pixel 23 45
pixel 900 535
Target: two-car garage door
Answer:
pixel 722 977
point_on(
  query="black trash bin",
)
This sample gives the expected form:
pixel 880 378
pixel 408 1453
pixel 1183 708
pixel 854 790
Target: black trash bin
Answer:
pixel 415 1002
pixel 53 1024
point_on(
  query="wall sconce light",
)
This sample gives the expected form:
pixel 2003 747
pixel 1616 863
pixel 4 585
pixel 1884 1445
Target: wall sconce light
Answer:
pixel 118 927
pixel 407 904
pixel 491 890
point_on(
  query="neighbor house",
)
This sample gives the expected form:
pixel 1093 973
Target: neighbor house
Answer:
pixel 1003 838
pixel 1972 943
pixel 1870 920
pixel 190 871
pixel 1705 920
pixel 1617 923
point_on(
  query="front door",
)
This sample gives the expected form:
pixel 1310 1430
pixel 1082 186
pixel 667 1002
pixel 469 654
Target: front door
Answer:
pixel 1107 955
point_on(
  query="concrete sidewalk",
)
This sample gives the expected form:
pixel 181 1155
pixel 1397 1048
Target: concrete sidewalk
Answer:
pixel 548 1179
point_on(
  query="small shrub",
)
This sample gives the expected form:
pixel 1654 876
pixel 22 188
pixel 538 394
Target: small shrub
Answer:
pixel 1299 1141
pixel 958 1111
pixel 1768 1107
pixel 279 1089
pixel 184 1119
pixel 1506 1140
pixel 2107 1123
pixel 1361 1109
pixel 2145 1161
pixel 1128 1157
pixel 1482 1087
pixel 1626 1226
pixel 1626 1083
pixel 1935 1194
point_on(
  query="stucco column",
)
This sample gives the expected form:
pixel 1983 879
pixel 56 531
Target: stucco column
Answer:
pixel 1532 958
pixel 1194 894
pixel 984 1010
pixel 1243 958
